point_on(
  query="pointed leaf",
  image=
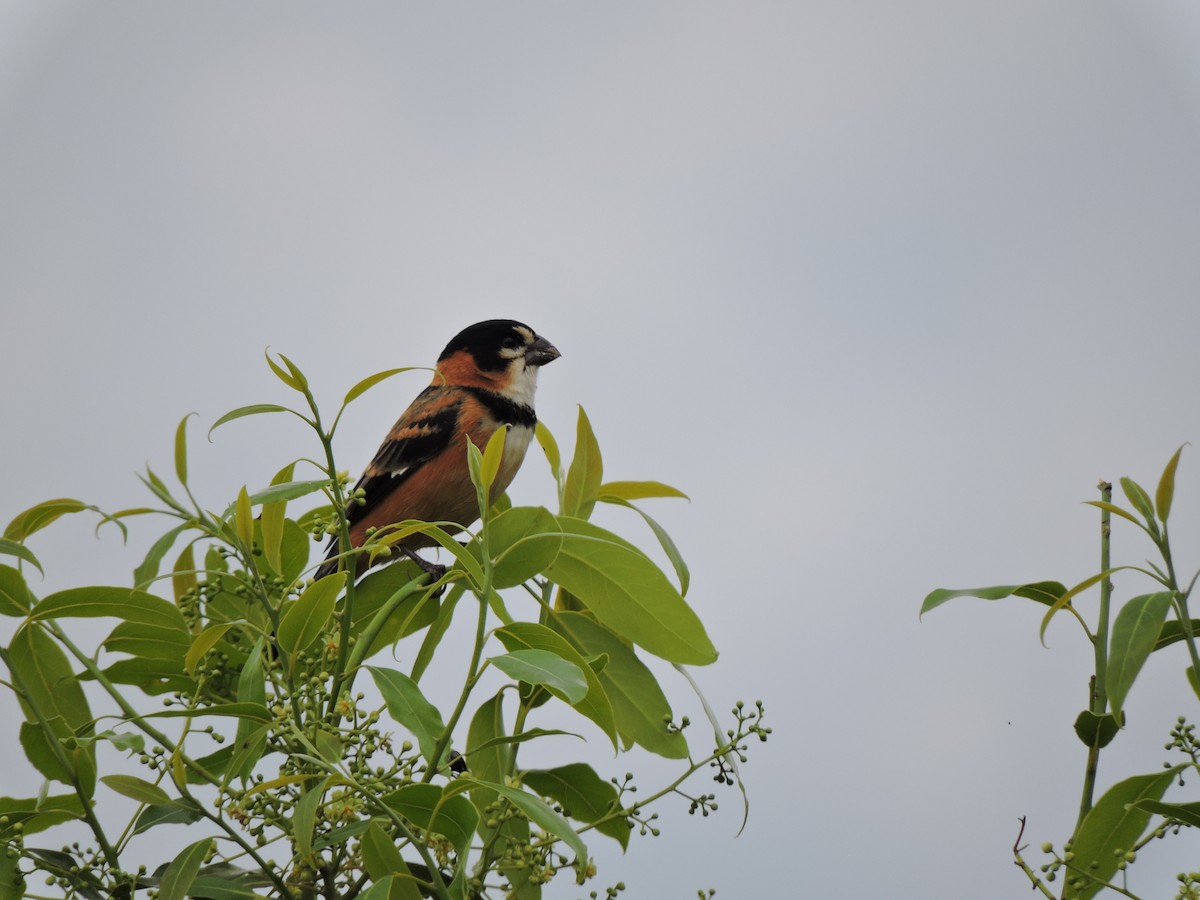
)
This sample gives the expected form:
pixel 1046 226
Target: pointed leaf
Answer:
pixel 122 603
pixel 371 380
pixel 136 789
pixel 426 806
pixel 493 453
pixel 304 818
pixel 1040 591
pixel 1112 826
pixel 381 860
pixel 542 667
pixel 39 516
pixel 640 709
pixel 595 705
pixel 243 519
pixel 523 541
pixel 144 574
pixel 1134 634
pixel 549 447
pixel 178 878
pixel 408 706
pixel 629 593
pixel 292 377
pixel 582 486
pixel 1188 813
pixel 41 670
pixel 205 641
pixel 273 516
pixel 1166 487
pixel 1116 511
pixel 306 618
pixel 539 813
pixel 1066 598
pixel 638 490
pixel 20 551
pixel 253 409
pixel 664 541
pixel 181 449
pixel 15 596
pixel 1139 498
pixel 583 795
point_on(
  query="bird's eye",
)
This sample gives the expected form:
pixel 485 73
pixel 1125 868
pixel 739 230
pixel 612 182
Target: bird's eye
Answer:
pixel 511 342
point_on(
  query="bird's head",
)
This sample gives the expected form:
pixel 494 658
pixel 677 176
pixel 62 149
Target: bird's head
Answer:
pixel 499 354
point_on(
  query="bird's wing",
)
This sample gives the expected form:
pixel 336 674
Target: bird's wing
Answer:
pixel 424 431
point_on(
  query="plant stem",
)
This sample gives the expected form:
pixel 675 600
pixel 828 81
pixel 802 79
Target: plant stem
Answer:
pixel 1098 700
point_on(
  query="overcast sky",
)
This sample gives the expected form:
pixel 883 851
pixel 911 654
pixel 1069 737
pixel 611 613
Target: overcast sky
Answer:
pixel 884 286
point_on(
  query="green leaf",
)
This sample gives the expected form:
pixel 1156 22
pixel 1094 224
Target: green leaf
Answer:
pixel 40 515
pixel 20 551
pixel 243 519
pixel 181 812
pixel 542 667
pixel 629 594
pixel 426 807
pixel 181 449
pixel 169 645
pixel 1134 635
pixel 538 812
pixel 1066 598
pixel 408 706
pixel 273 517
pixel 1194 680
pixel 582 486
pixel 668 546
pixel 12 881
pixel 1114 825
pixel 523 540
pixel 293 377
pixel 1166 487
pixel 250 741
pixel 116 602
pixel 183 574
pixel 1138 497
pixel 1116 511
pixel 1188 813
pixel 371 380
pixel 253 712
pixel 15 596
pixel 204 642
pixel 144 574
pixel 253 410
pixel 595 704
pixel 288 490
pixel 638 490
pixel 549 447
pixel 1172 632
pixel 178 878
pixel 493 453
pixel 41 670
pixel 306 618
pixel 639 706
pixel 1089 727
pixel 38 813
pixel 136 789
pixel 1045 592
pixel 382 860
pixel 304 818
pixel 583 795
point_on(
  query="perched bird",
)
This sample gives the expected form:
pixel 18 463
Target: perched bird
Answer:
pixel 485 380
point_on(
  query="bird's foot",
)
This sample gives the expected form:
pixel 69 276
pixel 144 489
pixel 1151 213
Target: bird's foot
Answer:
pixel 435 571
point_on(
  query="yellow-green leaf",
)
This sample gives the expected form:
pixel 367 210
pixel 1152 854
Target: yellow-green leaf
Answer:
pixel 205 641
pixel 306 618
pixel 243 518
pixel 181 449
pixel 1166 487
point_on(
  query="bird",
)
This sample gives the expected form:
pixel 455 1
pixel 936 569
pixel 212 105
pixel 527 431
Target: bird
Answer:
pixel 484 380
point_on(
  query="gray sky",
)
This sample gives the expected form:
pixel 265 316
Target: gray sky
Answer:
pixel 885 287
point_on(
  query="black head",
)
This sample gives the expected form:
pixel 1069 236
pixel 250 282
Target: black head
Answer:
pixel 494 345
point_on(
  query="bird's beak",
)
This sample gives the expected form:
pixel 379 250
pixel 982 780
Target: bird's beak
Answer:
pixel 541 352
